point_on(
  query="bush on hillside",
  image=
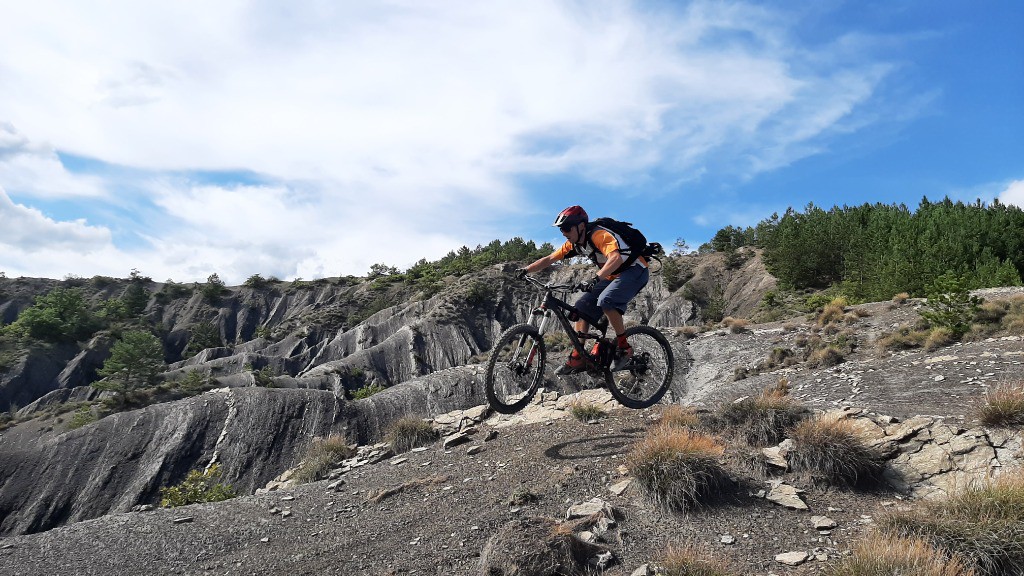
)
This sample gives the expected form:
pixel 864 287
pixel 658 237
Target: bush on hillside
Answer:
pixel 408 433
pixel 950 304
pixel 677 469
pixel 981 525
pixel 135 362
pixel 197 488
pixel 763 420
pixel 586 411
pixel 1004 406
pixel 834 451
pixel 322 455
pixel 62 315
pixel 880 555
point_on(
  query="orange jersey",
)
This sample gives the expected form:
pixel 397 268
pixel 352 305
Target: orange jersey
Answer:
pixel 602 244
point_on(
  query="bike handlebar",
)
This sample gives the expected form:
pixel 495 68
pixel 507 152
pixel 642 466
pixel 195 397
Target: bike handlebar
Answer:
pixel 545 286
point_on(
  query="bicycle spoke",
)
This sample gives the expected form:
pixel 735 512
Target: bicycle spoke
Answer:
pixel 645 379
pixel 515 369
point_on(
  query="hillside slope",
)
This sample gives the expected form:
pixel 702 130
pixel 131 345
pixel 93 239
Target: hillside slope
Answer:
pixel 446 503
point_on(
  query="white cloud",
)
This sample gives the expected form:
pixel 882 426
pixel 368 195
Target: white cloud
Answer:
pixel 36 170
pixel 395 130
pixel 29 241
pixel 1013 194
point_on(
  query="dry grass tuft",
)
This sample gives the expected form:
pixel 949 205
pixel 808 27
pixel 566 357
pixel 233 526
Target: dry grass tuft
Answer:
pixel 900 298
pixel 762 420
pixel 735 325
pixel 832 312
pixel 322 455
pixel 825 357
pixel 691 560
pixel 586 411
pixel 537 546
pixel 939 337
pixel 983 525
pixel 688 332
pixel 408 433
pixel 879 555
pixel 1004 406
pixel 904 338
pixel 834 450
pixel 679 416
pixel 677 469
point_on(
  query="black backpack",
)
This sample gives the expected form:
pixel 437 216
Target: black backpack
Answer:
pixel 638 245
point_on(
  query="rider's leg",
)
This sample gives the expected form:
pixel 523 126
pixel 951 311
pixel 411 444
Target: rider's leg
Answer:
pixel 616 297
pixel 588 304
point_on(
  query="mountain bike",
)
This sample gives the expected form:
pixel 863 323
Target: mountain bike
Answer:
pixel 517 363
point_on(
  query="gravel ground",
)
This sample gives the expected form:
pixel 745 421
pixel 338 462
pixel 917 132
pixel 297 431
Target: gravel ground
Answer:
pixel 451 501
pixel 440 524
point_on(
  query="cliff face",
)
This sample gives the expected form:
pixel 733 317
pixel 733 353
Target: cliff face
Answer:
pixel 303 332
pixel 425 350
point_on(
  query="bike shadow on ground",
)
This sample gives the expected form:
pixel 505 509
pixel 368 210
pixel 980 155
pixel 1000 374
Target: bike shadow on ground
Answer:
pixel 594 446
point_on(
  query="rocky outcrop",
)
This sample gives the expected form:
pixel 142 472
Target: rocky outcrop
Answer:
pixel 301 330
pixel 124 459
pixel 253 433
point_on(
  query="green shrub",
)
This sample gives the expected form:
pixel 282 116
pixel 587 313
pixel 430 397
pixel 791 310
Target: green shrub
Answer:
pixel 481 293
pixel 84 415
pixel 677 469
pixel 264 377
pixel 256 282
pixel 135 361
pixel 367 391
pixel 194 382
pixel 321 457
pixel 198 487
pixel 408 433
pixel 61 315
pixel 213 289
pixel 950 304
pixel 201 336
pixel 833 450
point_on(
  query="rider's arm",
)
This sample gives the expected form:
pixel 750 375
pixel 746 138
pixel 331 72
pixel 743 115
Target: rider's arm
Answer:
pixel 542 263
pixel 613 263
pixel 606 243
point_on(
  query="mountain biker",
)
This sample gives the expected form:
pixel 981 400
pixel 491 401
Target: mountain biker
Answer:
pixel 609 291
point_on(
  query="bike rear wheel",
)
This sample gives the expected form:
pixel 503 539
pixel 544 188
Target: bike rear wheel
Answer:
pixel 515 369
pixel 646 378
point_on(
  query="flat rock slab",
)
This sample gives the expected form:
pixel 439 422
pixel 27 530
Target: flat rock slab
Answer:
pixel 788 496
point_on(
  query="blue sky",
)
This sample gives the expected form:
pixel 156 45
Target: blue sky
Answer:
pixel 304 139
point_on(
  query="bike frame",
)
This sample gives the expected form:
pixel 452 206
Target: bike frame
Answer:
pixel 560 309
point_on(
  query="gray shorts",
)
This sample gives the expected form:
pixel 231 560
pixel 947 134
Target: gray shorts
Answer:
pixel 614 294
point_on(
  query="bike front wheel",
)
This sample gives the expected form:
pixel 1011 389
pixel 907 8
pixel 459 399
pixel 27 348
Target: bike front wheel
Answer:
pixel 648 375
pixel 515 369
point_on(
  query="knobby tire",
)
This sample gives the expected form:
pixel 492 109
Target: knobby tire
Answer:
pixel 649 376
pixel 515 369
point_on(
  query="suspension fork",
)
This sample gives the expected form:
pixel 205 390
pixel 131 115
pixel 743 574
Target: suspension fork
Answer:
pixel 546 315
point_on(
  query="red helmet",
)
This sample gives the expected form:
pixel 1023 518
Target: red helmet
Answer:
pixel 571 216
